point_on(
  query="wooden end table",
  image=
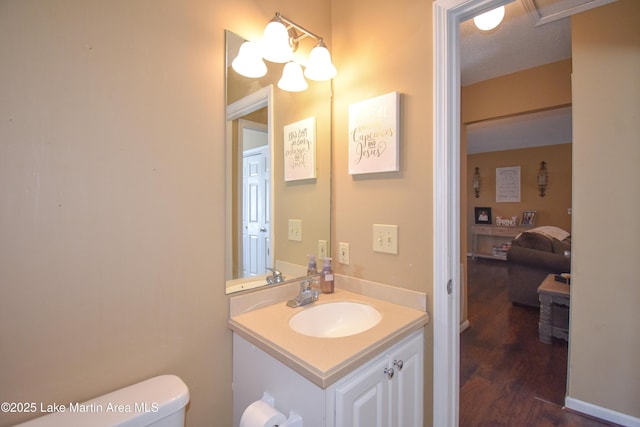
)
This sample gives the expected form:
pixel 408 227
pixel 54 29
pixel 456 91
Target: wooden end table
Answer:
pixel 551 292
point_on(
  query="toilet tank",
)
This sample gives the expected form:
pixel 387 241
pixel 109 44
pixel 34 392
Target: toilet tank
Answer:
pixel 157 402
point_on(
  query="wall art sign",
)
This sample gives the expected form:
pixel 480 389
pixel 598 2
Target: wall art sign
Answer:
pixel 300 150
pixel 374 137
pixel 508 184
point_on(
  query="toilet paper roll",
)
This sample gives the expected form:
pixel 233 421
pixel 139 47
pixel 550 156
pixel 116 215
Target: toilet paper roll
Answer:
pixel 261 414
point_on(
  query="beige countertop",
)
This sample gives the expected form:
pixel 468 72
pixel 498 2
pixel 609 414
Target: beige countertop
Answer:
pixel 323 361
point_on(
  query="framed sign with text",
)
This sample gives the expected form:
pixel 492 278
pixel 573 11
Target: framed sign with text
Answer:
pixel 508 184
pixel 374 135
pixel 300 150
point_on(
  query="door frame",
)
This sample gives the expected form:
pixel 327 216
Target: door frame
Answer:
pixel 447 15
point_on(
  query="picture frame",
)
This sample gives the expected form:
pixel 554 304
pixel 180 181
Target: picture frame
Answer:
pixel 374 135
pixel 528 218
pixel 482 215
pixel 300 150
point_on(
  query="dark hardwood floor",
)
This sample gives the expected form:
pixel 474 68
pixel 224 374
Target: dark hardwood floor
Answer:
pixel 507 376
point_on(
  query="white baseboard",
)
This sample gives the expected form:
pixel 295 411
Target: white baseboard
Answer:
pixel 464 325
pixel 600 412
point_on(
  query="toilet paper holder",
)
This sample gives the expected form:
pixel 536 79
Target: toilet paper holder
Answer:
pixel 294 420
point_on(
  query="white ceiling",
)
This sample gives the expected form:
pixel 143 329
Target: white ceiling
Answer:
pixel 533 32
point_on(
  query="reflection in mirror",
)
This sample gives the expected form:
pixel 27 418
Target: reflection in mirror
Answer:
pixel 260 204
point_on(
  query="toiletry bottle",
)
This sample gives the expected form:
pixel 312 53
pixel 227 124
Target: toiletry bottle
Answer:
pixel 312 269
pixel 326 277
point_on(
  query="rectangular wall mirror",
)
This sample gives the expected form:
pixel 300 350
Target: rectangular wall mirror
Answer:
pixel 262 207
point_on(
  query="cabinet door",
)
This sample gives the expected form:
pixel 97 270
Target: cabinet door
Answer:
pixel 363 401
pixel 407 390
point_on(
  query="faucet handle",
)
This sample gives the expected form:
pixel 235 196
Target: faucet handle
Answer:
pixel 305 285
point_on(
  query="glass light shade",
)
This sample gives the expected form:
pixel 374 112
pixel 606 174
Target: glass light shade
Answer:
pixel 489 20
pixel 292 79
pixel 275 45
pixel 249 63
pixel 320 67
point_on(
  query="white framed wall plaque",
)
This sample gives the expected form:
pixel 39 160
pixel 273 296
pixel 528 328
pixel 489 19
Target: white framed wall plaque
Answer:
pixel 374 135
pixel 508 184
pixel 300 150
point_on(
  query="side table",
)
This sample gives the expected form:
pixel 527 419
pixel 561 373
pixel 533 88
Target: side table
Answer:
pixel 554 309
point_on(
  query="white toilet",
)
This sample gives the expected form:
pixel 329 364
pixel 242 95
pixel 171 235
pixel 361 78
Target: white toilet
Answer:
pixel 156 402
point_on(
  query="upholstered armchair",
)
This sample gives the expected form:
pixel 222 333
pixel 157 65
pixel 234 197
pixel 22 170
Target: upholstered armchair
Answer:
pixel 534 255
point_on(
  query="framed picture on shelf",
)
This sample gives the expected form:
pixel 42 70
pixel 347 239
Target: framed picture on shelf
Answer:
pixel 483 215
pixel 528 218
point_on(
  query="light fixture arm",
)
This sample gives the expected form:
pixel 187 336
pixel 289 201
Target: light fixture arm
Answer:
pixel 300 28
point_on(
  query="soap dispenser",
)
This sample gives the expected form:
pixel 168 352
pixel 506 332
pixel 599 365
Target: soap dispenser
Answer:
pixel 326 277
pixel 312 268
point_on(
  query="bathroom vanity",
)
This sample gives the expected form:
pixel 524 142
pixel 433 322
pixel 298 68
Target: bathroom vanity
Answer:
pixel 370 378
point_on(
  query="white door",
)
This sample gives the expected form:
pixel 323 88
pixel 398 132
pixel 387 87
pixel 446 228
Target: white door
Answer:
pixel 256 226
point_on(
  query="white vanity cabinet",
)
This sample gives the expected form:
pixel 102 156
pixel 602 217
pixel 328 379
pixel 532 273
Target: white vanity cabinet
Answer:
pixel 387 391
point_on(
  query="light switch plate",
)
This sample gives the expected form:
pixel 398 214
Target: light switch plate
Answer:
pixel 385 238
pixel 295 230
pixel 343 253
pixel 322 250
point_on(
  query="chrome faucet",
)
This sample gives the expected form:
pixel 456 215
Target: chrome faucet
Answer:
pixel 276 276
pixel 306 295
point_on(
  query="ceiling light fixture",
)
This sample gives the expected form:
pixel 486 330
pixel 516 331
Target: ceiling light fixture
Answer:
pixel 489 20
pixel 279 41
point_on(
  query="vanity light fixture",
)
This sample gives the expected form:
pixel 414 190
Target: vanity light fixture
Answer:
pixel 489 20
pixel 292 79
pixel 319 67
pixel 476 182
pixel 543 179
pixel 279 41
pixel 249 63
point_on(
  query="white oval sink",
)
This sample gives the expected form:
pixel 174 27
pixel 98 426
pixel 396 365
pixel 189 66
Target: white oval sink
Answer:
pixel 335 319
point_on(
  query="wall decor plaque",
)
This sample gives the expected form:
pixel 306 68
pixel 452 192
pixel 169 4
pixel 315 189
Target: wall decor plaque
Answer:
pixel 300 150
pixel 374 135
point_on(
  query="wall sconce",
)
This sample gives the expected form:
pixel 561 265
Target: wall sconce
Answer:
pixel 279 41
pixel 543 178
pixel 489 20
pixel 476 182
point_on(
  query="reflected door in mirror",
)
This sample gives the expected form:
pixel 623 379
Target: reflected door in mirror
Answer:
pixel 256 224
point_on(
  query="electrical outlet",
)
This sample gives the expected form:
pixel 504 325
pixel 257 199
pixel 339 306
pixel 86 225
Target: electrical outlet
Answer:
pixel 322 249
pixel 295 230
pixel 343 253
pixel 385 238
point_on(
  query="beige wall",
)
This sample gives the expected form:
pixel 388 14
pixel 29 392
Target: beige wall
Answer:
pixel 380 48
pixel 534 89
pixel 112 195
pixel 550 209
pixel 605 344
